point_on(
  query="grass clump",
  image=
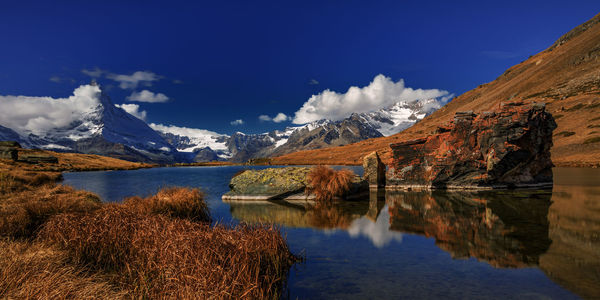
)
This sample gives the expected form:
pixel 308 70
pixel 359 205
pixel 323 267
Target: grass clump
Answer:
pixel 160 257
pixel 176 202
pixel 28 199
pixel 327 183
pixel 33 270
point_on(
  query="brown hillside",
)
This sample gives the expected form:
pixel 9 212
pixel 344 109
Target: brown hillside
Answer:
pixel 566 77
pixel 71 162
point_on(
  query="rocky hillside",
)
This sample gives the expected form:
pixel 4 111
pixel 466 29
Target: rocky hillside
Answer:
pixel 566 77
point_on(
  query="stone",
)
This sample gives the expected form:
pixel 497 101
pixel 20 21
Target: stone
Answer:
pixel 270 182
pixel 508 148
pixel 9 153
pixel 374 170
pixel 9 150
pixel 38 159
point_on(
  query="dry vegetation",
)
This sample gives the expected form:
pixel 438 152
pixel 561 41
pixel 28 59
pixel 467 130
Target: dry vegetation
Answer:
pixel 327 183
pixel 57 242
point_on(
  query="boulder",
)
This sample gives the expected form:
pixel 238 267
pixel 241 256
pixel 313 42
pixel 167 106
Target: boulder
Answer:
pixel 9 150
pixel 507 148
pixel 9 153
pixel 374 170
pixel 269 182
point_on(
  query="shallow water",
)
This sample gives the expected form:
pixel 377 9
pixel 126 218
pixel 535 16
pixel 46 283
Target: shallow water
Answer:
pixel 496 245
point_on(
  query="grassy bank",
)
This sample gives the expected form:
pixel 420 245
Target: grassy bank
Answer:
pixel 58 242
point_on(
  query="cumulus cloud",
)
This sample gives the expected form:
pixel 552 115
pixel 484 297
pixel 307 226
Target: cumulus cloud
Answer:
pixel 38 115
pixel 95 73
pixel 381 92
pixel 148 96
pixel 237 122
pixel 132 81
pixel 183 131
pixel 134 110
pixel 280 117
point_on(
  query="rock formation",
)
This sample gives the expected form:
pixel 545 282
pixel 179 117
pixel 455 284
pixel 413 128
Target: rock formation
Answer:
pixel 374 170
pixel 9 150
pixel 507 148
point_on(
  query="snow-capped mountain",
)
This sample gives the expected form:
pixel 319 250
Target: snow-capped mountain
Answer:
pixel 96 126
pixel 203 145
pixel 401 115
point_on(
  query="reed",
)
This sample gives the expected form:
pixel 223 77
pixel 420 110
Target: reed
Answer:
pixel 176 202
pixel 33 270
pixel 327 183
pixel 160 257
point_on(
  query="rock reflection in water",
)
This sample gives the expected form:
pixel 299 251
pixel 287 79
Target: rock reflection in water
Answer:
pixel 505 229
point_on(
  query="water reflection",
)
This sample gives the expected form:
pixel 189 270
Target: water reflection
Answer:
pixel 557 232
pixel 505 229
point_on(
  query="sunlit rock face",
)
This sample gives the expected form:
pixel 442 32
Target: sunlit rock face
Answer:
pixel 505 230
pixel 506 148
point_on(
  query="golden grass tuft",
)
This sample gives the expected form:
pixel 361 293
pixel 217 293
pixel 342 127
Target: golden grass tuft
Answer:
pixel 176 202
pixel 327 183
pixel 21 214
pixel 33 270
pixel 159 257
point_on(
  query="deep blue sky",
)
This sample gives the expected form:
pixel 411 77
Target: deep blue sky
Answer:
pixel 237 60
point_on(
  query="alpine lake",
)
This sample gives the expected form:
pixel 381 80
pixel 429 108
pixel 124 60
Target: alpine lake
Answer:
pixel 523 244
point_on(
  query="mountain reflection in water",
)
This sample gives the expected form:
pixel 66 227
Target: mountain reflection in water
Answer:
pixel 557 232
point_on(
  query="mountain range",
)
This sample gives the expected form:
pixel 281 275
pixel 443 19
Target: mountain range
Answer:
pixel 107 129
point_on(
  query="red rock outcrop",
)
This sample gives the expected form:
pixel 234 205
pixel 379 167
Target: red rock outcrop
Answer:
pixel 506 148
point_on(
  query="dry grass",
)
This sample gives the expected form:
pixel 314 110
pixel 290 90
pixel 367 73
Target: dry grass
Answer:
pixel 155 256
pixel 32 270
pixel 327 183
pixel 176 202
pixel 57 243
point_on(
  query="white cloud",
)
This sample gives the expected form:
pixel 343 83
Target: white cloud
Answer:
pixel 378 232
pixel 134 110
pixel 313 82
pixel 381 92
pixel 237 122
pixel 132 81
pixel 38 115
pixel 148 96
pixel 55 79
pixel 183 131
pixel 95 73
pixel 280 117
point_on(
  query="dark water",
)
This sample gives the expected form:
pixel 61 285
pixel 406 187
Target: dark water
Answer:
pixel 418 245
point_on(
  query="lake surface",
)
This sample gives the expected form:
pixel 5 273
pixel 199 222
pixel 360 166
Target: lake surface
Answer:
pixel 414 245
